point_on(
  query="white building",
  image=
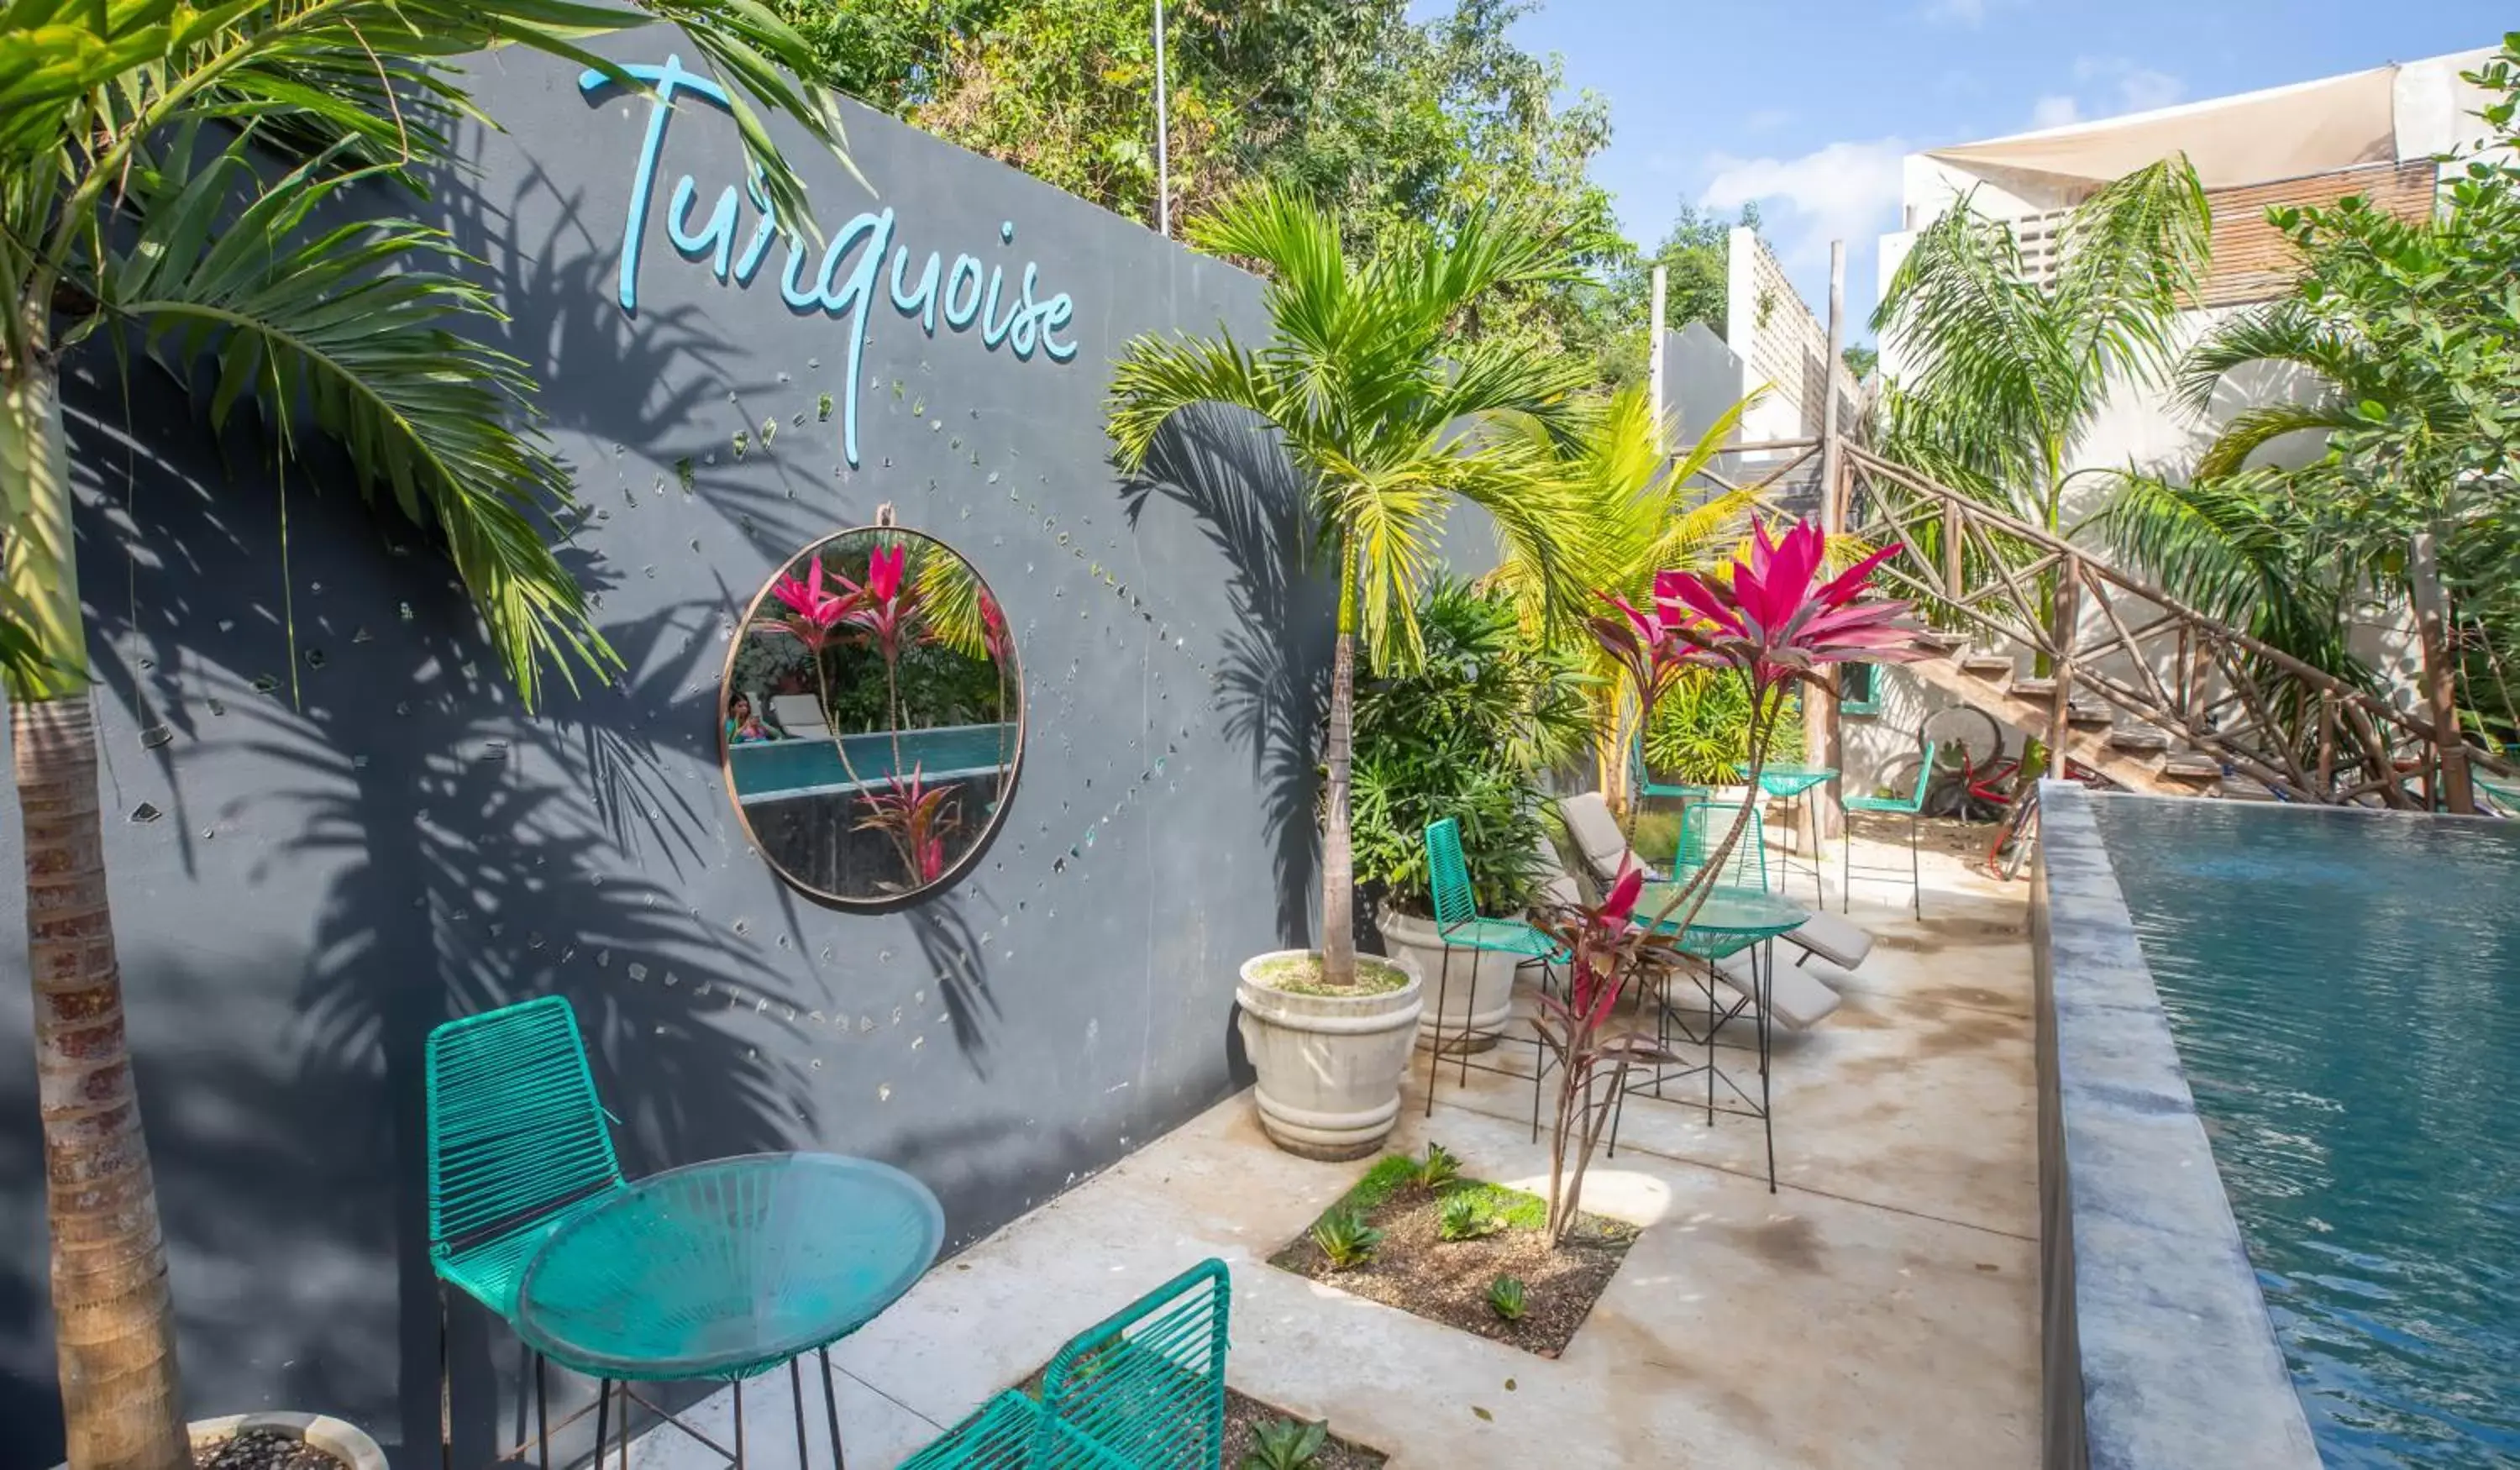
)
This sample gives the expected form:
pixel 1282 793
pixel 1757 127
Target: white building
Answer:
pixel 2378 133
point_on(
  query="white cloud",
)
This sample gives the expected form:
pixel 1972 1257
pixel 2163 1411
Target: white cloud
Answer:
pixel 2056 110
pixel 2106 86
pixel 1847 190
pixel 1767 119
pixel 2143 89
pixel 1969 14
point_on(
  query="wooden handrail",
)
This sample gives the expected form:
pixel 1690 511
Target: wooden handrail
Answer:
pixel 2202 639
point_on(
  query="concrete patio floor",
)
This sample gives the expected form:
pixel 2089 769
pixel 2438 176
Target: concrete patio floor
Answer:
pixel 1880 1309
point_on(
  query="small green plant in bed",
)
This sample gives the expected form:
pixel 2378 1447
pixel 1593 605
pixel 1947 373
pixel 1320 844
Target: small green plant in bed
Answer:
pixel 1286 1445
pixel 1508 1297
pixel 1439 1253
pixel 1301 975
pixel 1345 1240
pixel 1464 1217
pixel 1437 1169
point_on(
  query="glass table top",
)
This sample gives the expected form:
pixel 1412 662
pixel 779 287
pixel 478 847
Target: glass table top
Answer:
pixel 725 1269
pixel 1788 781
pixel 1743 914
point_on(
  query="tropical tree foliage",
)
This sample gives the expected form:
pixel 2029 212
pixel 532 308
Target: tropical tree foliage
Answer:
pixel 1645 515
pixel 1390 413
pixel 1464 732
pixel 217 186
pixel 1386 120
pixel 2409 330
pixel 2001 375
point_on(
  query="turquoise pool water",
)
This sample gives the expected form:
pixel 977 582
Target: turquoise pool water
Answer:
pixel 785 770
pixel 2345 991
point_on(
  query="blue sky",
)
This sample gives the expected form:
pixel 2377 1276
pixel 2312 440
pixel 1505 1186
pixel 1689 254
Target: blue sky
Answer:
pixel 1806 106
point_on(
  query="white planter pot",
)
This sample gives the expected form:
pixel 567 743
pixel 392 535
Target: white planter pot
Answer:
pixel 1330 1065
pixel 338 1438
pixel 1477 993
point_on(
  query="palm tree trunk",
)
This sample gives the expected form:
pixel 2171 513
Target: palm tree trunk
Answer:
pixel 114 1327
pixel 2441 689
pixel 1338 859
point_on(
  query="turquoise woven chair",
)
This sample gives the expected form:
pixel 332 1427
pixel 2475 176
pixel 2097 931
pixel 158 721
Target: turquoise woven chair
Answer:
pixel 1912 806
pixel 1641 779
pixel 516 1148
pixel 1142 1390
pixel 1702 829
pixel 1459 924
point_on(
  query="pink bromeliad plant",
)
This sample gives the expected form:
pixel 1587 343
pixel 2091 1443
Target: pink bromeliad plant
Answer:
pixel 917 818
pixel 1772 621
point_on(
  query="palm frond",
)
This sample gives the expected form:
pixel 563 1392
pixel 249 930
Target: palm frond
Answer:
pixel 1986 366
pixel 2131 255
pixel 2281 332
pixel 349 326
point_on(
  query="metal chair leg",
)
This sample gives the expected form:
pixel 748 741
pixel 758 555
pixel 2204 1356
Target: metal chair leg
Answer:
pixel 445 1390
pixel 542 1409
pixel 1916 876
pixel 832 1413
pixel 604 1418
pixel 1435 1050
pixel 796 1398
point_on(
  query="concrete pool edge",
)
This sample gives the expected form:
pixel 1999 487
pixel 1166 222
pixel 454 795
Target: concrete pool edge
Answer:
pixel 2157 1346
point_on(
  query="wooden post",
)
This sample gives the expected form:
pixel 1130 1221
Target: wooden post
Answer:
pixel 1953 531
pixel 1655 384
pixel 1163 146
pixel 2069 590
pixel 2441 689
pixel 1823 744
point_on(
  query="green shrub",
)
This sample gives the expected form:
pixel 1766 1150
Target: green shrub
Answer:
pixel 1465 734
pixel 1507 1297
pixel 1701 730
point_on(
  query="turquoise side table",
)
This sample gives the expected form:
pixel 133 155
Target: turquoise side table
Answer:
pixel 726 1270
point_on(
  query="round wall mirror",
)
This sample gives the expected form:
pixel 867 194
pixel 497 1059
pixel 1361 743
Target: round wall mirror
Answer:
pixel 871 717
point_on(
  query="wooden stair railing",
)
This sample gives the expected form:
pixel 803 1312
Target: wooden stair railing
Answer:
pixel 2206 686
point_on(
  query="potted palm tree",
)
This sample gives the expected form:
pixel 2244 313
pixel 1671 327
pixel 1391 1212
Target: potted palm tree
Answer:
pixel 1389 410
pixel 268 243
pixel 1463 733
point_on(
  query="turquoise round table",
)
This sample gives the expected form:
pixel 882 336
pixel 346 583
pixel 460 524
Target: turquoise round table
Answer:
pixel 1729 923
pixel 726 1270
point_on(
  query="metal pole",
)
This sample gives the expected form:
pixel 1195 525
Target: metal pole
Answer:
pixel 1654 355
pixel 1163 137
pixel 1822 746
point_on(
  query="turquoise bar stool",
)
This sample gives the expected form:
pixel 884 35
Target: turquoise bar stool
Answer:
pixel 1460 927
pixel 517 1147
pixel 1912 806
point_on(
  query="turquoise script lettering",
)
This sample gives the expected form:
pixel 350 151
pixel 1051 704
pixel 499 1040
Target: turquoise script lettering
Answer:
pixel 842 281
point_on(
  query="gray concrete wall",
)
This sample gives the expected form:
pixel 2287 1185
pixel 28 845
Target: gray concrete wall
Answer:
pixel 2158 1355
pixel 322 846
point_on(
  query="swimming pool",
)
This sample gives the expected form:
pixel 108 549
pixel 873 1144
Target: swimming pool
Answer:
pixel 2344 990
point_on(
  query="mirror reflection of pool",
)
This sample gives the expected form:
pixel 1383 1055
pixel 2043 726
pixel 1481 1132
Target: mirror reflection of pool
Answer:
pixel 871 716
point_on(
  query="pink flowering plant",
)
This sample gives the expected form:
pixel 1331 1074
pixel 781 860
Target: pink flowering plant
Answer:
pixel 825 606
pixel 1773 620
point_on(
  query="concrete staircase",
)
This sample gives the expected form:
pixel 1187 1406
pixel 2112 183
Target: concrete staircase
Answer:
pixel 2137 756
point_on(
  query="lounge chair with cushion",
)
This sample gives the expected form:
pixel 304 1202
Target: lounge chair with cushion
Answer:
pixel 1604 849
pixel 1797 999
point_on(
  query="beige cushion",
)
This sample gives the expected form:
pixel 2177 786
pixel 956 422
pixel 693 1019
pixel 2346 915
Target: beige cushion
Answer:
pixel 1554 889
pixel 798 714
pixel 1832 939
pixel 1597 838
pixel 1795 999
